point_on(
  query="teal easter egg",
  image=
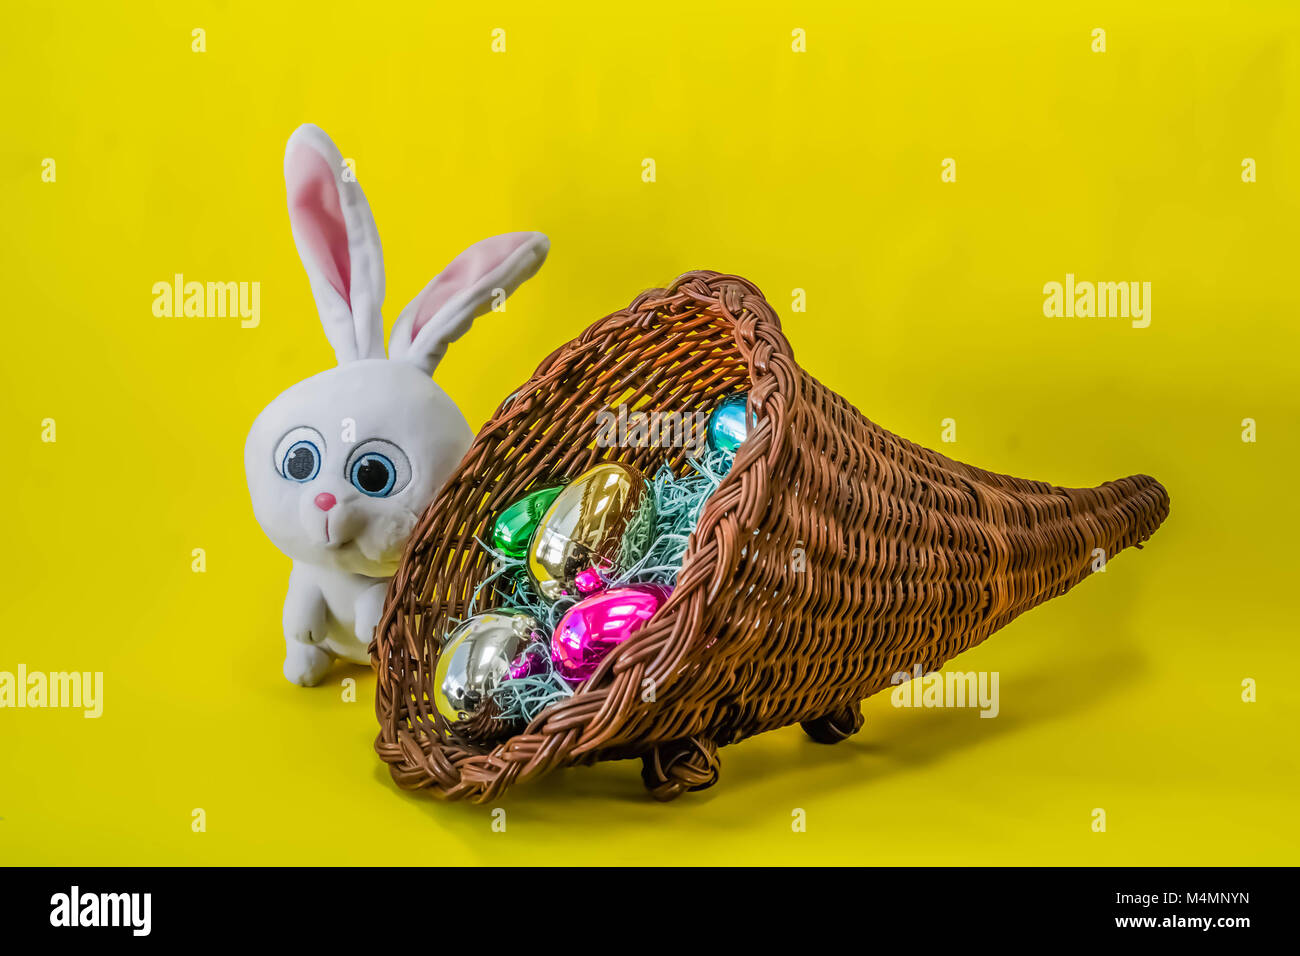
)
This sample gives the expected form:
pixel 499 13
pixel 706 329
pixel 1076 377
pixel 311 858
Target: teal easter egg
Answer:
pixel 728 425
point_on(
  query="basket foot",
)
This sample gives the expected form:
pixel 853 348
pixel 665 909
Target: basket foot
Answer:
pixel 672 769
pixel 836 726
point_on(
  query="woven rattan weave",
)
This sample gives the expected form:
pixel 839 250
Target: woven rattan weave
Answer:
pixel 834 555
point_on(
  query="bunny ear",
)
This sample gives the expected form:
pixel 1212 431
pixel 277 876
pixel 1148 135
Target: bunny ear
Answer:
pixel 464 290
pixel 338 243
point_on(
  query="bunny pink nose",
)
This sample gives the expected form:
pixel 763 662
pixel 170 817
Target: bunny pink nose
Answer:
pixel 325 501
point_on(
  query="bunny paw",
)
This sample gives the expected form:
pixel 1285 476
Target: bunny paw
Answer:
pixel 305 664
pixel 307 633
pixel 369 609
pixel 305 619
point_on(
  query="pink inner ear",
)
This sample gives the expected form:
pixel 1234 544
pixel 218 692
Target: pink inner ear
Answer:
pixel 464 272
pixel 315 210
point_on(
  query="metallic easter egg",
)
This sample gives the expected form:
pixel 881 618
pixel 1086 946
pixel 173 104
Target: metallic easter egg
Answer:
pixel 588 581
pixel 729 423
pixel 476 657
pixel 599 522
pixel 594 626
pixel 514 527
pixel 530 663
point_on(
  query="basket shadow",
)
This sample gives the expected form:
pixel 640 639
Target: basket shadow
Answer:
pixel 894 742
pixel 1081 659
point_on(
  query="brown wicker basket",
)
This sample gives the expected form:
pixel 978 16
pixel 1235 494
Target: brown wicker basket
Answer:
pixel 834 555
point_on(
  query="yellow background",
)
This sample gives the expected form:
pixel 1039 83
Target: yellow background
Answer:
pixel 818 171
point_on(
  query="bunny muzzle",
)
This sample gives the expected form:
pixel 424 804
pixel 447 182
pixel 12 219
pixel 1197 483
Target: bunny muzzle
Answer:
pixel 338 519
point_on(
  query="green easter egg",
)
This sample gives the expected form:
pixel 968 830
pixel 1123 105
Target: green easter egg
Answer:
pixel 516 524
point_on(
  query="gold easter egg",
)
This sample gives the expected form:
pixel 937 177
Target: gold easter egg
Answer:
pixel 599 524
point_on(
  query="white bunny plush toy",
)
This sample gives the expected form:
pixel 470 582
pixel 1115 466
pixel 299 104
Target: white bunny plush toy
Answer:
pixel 341 465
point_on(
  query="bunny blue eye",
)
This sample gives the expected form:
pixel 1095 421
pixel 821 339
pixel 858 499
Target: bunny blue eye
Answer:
pixel 373 475
pixel 302 462
pixel 378 468
pixel 299 454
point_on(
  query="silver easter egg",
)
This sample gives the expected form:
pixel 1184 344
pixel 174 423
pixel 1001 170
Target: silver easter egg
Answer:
pixel 476 657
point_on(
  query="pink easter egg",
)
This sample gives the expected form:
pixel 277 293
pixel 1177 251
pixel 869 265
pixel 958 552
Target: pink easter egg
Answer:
pixel 595 625
pixel 529 663
pixel 588 581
